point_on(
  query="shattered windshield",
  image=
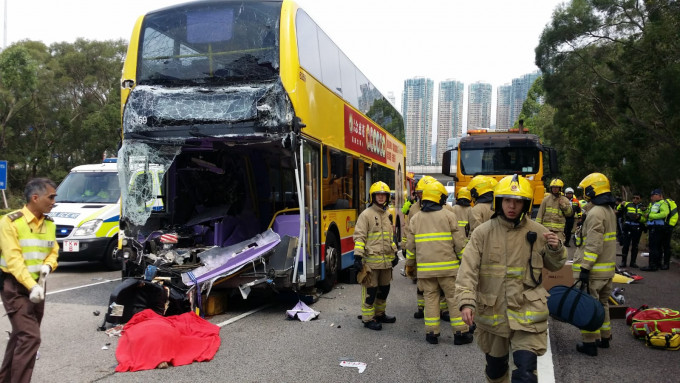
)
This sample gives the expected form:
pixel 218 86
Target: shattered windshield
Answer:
pixel 95 187
pixel 142 167
pixel 210 43
pixel 500 161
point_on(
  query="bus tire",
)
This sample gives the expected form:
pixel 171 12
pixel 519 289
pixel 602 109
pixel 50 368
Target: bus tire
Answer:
pixel 332 264
pixel 110 260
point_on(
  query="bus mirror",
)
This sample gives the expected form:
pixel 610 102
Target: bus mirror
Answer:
pixel 554 170
pixel 446 164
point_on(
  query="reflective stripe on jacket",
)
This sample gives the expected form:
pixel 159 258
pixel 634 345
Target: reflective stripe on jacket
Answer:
pixel 373 238
pixel 435 243
pixel 551 214
pixel 598 250
pixel 463 215
pixel 35 247
pixel 495 276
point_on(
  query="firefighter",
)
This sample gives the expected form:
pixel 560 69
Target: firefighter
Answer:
pixel 462 209
pixel 481 191
pixel 554 209
pixel 375 254
pixel 569 221
pixel 595 260
pixel 633 224
pixel 437 242
pixel 499 283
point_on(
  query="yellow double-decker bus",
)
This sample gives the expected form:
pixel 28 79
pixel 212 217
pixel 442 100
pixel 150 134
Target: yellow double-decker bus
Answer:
pixel 259 123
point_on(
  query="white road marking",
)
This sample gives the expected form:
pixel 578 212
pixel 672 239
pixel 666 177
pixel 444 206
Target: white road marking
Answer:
pixel 234 319
pixel 546 373
pixel 83 286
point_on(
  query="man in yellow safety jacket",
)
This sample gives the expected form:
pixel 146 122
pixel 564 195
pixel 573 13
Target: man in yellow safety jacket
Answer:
pixel 554 209
pixel 437 242
pixel 499 283
pixel 29 252
pixel 595 258
pixel 375 256
pixel 481 190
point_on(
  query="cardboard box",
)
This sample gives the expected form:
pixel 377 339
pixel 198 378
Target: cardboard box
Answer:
pixel 216 303
pixel 562 276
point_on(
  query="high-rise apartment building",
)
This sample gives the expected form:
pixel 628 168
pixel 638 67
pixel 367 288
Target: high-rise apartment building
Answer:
pixel 520 89
pixel 479 106
pixel 417 111
pixel 449 114
pixel 391 98
pixel 503 103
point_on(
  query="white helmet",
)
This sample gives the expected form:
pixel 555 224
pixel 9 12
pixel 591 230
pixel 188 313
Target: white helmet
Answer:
pixel 568 190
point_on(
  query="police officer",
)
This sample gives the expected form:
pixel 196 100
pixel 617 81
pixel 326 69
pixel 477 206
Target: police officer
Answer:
pixel 499 283
pixel 656 223
pixel 29 252
pixel 569 221
pixel 462 209
pixel 375 255
pixel 554 209
pixel 595 259
pixel 481 189
pixel 437 242
pixel 633 223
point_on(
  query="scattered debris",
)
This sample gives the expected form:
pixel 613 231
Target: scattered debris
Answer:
pixel 115 331
pixel 105 347
pixel 303 312
pixel 360 365
pixel 96 313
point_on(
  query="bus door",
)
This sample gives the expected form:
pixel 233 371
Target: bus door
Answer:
pixel 310 164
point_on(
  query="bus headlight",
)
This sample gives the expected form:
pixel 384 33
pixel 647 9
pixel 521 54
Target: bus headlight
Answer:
pixel 88 228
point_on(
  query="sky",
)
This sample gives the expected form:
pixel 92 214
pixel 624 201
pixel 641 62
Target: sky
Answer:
pixel 491 41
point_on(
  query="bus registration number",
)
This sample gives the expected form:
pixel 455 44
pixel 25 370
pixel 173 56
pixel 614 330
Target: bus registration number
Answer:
pixel 71 246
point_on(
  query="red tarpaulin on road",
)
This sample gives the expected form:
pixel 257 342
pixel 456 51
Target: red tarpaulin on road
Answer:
pixel 149 339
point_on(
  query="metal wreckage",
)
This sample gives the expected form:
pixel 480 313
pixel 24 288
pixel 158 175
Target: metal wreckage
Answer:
pixel 206 210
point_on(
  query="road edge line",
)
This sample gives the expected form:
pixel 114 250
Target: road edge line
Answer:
pixel 245 314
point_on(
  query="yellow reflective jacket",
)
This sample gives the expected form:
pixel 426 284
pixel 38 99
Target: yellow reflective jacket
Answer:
pixel 435 243
pixel 373 238
pixel 495 276
pixel 597 239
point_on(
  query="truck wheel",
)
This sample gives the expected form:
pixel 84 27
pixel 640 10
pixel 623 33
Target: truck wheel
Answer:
pixel 110 260
pixel 333 256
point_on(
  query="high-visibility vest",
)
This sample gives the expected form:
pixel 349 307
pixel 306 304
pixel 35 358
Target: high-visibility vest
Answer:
pixel 672 217
pixel 35 247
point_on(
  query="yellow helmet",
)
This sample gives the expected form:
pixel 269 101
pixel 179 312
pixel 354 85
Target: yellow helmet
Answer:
pixel 379 187
pixel 516 187
pixel 593 185
pixel 556 182
pixel 424 181
pixel 480 185
pixel 434 191
pixel 464 193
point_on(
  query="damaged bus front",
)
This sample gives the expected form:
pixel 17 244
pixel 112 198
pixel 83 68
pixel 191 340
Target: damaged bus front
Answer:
pixel 231 182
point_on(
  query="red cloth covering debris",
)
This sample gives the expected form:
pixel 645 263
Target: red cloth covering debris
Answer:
pixel 149 339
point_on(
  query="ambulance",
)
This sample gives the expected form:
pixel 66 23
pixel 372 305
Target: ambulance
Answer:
pixel 87 212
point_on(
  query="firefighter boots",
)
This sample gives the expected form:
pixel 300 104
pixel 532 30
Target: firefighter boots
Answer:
pixel 419 314
pixel 445 316
pixel 373 325
pixel 603 343
pixel 587 348
pixel 462 338
pixel 432 338
pixel 385 318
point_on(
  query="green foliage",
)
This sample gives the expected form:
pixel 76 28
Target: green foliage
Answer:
pixel 611 71
pixel 59 107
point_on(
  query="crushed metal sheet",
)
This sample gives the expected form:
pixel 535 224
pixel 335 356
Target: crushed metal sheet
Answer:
pixel 302 312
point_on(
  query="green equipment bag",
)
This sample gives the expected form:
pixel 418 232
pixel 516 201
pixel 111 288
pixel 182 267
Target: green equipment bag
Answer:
pixel 663 340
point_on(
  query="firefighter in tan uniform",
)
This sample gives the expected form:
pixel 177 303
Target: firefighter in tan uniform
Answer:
pixel 554 209
pixel 414 209
pixel 375 256
pixel 462 209
pixel 595 257
pixel 499 283
pixel 437 243
pixel 481 190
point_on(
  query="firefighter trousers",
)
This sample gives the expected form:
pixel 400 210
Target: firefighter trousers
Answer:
pixel 24 341
pixel 432 288
pixel 600 289
pixel 374 291
pixel 497 349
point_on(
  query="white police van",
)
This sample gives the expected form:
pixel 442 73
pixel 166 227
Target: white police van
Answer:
pixel 87 212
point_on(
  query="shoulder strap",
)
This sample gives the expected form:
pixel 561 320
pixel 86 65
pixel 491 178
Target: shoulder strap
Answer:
pixel 15 215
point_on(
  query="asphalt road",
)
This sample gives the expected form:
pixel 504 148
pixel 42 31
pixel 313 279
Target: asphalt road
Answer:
pixel 264 346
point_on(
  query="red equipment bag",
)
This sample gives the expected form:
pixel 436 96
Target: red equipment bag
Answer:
pixel 631 311
pixel 659 319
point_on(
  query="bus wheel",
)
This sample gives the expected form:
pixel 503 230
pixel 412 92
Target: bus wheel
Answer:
pixel 110 260
pixel 332 262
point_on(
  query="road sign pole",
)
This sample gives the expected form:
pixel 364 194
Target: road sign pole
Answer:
pixel 4 199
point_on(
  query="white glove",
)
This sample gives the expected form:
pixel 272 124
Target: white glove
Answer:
pixel 37 294
pixel 45 271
